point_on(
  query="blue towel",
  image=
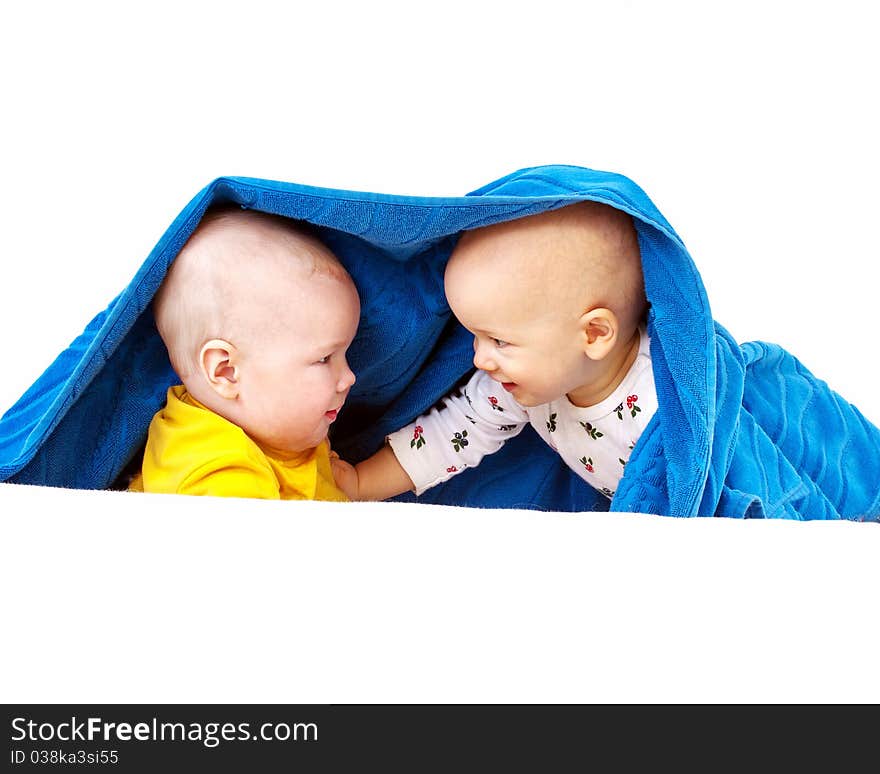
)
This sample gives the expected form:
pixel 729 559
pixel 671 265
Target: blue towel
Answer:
pixel 741 431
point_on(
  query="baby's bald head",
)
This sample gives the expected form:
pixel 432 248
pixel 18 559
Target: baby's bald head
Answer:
pixel 564 261
pixel 238 278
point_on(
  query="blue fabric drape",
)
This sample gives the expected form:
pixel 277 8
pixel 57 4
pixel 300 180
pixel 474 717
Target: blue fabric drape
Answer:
pixel 741 430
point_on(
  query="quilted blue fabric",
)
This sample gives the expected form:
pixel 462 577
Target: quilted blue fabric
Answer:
pixel 741 431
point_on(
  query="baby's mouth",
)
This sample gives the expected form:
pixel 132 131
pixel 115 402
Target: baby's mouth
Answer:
pixel 331 415
pixel 509 386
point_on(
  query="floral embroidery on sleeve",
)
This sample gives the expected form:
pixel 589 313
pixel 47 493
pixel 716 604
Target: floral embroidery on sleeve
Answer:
pixel 417 440
pixel 587 462
pixel 609 493
pixel 593 432
pixel 618 409
pixel 459 440
pixel 493 401
pixel 506 428
pixel 551 423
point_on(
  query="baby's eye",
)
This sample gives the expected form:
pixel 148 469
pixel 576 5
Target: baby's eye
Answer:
pixel 324 360
pixel 500 343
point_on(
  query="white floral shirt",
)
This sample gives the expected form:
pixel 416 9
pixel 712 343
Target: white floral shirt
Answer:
pixel 595 442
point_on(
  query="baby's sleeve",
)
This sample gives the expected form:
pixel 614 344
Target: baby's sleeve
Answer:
pixel 467 426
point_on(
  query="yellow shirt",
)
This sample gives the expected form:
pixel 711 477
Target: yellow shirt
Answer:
pixel 192 450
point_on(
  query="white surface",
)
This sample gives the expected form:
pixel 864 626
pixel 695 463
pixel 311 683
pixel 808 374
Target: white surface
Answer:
pixel 752 128
pixel 115 597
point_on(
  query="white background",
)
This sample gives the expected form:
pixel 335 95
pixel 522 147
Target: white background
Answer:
pixel 753 128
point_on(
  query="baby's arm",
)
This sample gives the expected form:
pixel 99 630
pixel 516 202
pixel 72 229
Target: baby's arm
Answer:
pixel 376 478
pixel 438 445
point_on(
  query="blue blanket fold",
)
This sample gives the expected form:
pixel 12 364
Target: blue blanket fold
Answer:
pixel 741 430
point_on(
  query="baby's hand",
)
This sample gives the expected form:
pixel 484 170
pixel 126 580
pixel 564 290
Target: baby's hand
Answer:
pixel 345 475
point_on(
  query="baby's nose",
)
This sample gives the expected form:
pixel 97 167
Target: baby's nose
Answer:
pixel 346 379
pixel 481 360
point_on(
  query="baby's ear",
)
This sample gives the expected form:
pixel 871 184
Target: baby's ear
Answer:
pixel 598 329
pixel 218 362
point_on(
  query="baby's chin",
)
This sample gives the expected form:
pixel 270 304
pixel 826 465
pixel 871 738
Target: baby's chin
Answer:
pixel 292 447
pixel 520 394
pixel 530 400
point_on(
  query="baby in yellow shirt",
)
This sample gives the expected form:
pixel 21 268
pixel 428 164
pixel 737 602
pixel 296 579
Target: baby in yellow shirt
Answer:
pixel 257 315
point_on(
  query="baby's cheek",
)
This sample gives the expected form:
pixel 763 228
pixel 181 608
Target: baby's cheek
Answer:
pixel 309 406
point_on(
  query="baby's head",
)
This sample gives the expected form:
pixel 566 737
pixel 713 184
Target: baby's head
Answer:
pixel 257 315
pixel 554 301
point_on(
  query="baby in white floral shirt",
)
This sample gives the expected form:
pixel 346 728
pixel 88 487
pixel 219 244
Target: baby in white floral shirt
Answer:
pixel 556 303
